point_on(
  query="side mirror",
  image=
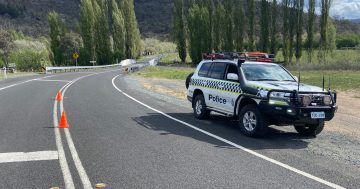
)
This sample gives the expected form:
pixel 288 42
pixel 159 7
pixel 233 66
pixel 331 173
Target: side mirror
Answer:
pixel 232 77
pixel 296 78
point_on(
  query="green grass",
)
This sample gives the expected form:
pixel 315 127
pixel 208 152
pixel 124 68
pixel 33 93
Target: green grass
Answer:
pixel 340 80
pixel 336 60
pixel 165 72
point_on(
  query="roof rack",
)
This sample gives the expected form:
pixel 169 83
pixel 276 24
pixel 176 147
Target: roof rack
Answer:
pixel 249 56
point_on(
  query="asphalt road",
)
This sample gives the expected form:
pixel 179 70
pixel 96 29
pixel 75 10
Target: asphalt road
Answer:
pixel 127 139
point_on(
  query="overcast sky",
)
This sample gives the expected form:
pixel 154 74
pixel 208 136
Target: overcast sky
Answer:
pixel 348 9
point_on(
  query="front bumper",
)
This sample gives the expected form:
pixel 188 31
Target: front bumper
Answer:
pixel 294 112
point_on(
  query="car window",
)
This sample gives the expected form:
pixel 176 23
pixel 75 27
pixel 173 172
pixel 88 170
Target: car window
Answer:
pixel 203 72
pixel 218 70
pixel 231 69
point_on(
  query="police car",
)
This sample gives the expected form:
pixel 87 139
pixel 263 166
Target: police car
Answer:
pixel 259 94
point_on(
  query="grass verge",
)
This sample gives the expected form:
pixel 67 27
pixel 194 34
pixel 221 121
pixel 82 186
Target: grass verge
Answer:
pixel 17 74
pixel 340 80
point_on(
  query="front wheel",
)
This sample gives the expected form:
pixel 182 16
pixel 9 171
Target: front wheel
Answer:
pixel 252 122
pixel 310 129
pixel 199 107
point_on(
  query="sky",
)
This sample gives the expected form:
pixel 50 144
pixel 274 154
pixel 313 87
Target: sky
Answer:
pixel 348 9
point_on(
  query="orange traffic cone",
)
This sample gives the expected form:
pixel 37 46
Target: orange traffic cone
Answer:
pixel 63 121
pixel 58 96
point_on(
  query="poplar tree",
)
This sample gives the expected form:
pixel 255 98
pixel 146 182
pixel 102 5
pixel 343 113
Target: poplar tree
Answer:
pixel 219 30
pixel 229 26
pixel 199 32
pixel 310 30
pixel 239 26
pixel 299 29
pixel 264 22
pixel 251 31
pixel 87 26
pixel 102 33
pixel 292 28
pixel 179 30
pixel 273 30
pixel 285 32
pixel 57 32
pixel 132 42
pixel 118 31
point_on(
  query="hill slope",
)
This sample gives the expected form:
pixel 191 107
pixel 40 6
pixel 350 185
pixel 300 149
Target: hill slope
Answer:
pixel 154 16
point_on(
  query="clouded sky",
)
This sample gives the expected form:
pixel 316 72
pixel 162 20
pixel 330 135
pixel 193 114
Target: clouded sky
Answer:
pixel 348 9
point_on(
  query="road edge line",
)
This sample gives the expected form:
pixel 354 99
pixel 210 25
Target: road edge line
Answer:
pixel 288 167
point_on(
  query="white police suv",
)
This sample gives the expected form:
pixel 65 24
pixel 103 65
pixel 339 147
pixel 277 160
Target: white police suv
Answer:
pixel 259 94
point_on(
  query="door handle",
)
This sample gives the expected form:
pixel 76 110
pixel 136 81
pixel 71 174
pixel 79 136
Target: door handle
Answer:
pixel 221 86
pixel 204 82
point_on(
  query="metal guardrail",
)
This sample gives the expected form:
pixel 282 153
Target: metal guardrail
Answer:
pixel 54 69
pixel 130 64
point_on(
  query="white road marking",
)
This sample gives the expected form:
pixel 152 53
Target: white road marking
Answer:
pixel 332 185
pixel 75 156
pixel 28 156
pixel 13 85
pixel 69 183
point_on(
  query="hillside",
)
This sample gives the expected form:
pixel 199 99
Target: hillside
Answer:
pixel 30 16
pixel 154 16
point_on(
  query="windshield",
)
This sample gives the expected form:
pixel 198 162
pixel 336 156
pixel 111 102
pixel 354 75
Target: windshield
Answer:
pixel 263 72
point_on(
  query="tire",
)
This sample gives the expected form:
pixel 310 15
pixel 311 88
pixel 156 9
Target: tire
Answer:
pixel 252 122
pixel 199 107
pixel 188 79
pixel 310 129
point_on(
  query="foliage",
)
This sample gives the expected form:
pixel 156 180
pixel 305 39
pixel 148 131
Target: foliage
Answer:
pixel 219 30
pixel 310 30
pixel 299 29
pixel 199 32
pixel 347 40
pixel 132 43
pixel 30 55
pixel 87 24
pixel 165 72
pixel 264 23
pixel 57 32
pixel 251 20
pixel 6 45
pixel 70 43
pixel 239 26
pixel 179 29
pixel 102 32
pixel 118 31
pixel 273 27
pixel 285 32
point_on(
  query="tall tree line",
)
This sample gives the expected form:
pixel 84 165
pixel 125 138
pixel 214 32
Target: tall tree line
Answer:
pixel 228 29
pixel 108 29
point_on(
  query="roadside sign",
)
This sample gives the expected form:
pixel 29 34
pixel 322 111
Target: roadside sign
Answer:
pixel 75 55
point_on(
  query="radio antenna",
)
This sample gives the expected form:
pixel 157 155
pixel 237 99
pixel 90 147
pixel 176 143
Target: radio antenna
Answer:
pixel 323 86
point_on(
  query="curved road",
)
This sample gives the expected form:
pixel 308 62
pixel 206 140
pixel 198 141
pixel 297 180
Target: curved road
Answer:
pixel 127 139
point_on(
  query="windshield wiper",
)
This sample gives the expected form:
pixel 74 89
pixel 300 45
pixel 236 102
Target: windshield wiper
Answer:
pixel 266 80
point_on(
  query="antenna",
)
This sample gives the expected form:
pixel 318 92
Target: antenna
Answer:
pixel 299 82
pixel 323 83
pixel 329 83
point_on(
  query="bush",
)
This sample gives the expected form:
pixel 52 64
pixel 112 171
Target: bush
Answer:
pixel 30 60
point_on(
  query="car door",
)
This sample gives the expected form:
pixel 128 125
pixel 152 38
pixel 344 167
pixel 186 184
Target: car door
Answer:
pixel 215 84
pixel 231 88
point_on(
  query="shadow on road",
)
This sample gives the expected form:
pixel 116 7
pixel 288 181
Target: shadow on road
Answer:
pixel 221 126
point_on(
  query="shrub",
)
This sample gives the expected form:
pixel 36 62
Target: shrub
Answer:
pixel 29 59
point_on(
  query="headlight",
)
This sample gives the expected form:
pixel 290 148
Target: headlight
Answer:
pixel 279 95
pixel 263 93
pixel 306 100
pixel 327 100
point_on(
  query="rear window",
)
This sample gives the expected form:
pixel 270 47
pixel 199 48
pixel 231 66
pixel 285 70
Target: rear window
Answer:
pixel 218 71
pixel 204 69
